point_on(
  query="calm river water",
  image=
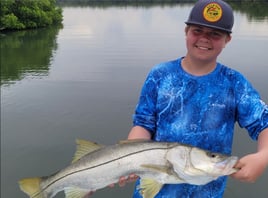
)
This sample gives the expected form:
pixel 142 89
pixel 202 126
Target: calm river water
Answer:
pixel 83 81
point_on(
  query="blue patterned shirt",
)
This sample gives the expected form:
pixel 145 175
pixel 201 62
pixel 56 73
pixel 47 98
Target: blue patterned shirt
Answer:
pixel 176 106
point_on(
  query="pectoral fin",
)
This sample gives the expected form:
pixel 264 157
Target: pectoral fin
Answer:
pixel 164 169
pixel 148 188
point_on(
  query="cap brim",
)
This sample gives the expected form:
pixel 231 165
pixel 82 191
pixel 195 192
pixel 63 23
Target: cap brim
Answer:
pixel 209 26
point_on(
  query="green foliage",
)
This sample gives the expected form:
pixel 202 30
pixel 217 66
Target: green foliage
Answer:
pixel 10 21
pixel 25 14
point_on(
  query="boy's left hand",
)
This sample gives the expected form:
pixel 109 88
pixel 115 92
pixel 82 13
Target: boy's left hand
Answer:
pixel 250 167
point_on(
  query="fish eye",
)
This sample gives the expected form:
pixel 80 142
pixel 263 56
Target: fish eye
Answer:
pixel 212 155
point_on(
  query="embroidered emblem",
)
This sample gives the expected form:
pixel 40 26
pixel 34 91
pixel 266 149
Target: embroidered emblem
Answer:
pixel 212 12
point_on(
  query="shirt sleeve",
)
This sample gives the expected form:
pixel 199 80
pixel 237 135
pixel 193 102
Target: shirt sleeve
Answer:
pixel 252 112
pixel 145 113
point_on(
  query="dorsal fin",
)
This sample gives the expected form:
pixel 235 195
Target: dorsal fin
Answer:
pixel 84 147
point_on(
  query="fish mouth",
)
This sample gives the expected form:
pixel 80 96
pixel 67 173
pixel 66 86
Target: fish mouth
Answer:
pixel 227 166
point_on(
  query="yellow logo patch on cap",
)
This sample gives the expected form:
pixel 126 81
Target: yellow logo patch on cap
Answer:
pixel 212 12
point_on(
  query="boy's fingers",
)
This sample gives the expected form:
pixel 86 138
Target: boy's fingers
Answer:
pixel 132 178
pixel 122 181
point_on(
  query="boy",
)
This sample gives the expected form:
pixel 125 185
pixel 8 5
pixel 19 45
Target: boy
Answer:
pixel 196 100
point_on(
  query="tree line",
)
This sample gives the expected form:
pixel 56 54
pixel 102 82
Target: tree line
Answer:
pixel 29 14
pixel 148 1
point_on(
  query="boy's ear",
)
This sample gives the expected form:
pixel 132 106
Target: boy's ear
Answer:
pixel 228 38
pixel 186 29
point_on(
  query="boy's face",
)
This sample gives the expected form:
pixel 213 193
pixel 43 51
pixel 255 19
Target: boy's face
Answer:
pixel 205 44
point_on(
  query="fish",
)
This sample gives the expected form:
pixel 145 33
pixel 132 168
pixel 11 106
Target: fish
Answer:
pixel 96 166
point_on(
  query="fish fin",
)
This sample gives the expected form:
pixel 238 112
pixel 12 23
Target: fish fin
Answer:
pixel 163 169
pixel 72 192
pixel 31 186
pixel 84 147
pixel 148 188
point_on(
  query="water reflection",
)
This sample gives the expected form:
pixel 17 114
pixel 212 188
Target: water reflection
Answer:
pixel 27 53
pixel 255 11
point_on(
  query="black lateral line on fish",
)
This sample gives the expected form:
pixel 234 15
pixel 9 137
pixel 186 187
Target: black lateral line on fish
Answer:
pixel 53 182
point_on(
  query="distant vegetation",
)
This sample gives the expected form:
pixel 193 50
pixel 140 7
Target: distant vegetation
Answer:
pixel 254 9
pixel 106 3
pixel 147 1
pixel 29 14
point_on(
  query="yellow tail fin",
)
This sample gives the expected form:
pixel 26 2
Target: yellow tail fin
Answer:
pixel 31 186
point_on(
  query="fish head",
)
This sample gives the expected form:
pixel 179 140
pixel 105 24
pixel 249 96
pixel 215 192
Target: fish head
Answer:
pixel 213 164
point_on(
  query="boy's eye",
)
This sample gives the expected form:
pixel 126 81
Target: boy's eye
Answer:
pixel 210 34
pixel 198 31
pixel 215 34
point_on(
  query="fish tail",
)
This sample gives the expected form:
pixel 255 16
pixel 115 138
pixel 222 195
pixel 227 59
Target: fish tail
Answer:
pixel 31 186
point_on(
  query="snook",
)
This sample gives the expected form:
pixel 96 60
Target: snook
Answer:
pixel 157 163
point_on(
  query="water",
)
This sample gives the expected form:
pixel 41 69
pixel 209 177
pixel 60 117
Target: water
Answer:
pixel 83 81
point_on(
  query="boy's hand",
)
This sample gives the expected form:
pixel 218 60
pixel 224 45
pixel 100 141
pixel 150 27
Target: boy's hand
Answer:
pixel 123 180
pixel 250 167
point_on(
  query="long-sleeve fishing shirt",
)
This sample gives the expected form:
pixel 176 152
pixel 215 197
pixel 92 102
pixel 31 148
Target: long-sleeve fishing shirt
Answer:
pixel 176 106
